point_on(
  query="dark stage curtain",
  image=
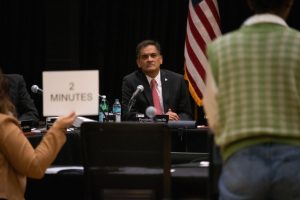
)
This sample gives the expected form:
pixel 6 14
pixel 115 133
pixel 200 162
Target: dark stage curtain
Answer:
pixel 112 29
pixel 99 34
pixel 234 12
pixel 22 37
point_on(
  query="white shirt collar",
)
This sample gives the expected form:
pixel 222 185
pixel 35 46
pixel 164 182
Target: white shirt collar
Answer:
pixel 265 18
pixel 157 79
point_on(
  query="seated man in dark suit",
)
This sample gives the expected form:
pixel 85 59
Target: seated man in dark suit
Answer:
pixel 165 90
pixel 20 97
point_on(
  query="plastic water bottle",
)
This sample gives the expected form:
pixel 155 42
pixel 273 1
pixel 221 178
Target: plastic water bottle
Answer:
pixel 103 109
pixel 116 109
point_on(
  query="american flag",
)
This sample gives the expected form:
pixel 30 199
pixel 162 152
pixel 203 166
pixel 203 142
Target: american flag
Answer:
pixel 203 25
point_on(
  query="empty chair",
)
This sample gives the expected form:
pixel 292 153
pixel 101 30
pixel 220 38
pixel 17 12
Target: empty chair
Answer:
pixel 128 160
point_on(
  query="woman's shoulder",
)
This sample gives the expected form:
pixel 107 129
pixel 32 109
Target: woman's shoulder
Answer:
pixel 5 118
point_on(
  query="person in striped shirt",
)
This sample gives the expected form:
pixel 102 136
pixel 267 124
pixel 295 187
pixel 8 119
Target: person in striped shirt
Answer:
pixel 252 102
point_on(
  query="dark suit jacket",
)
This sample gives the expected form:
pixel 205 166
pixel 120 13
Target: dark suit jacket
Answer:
pixel 174 91
pixel 20 97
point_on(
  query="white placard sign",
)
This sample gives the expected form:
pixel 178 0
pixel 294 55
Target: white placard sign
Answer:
pixel 66 91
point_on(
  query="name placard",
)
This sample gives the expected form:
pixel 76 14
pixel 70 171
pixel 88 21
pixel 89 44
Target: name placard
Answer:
pixel 67 91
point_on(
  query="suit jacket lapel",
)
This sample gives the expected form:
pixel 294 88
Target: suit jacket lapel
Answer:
pixel 147 90
pixel 165 89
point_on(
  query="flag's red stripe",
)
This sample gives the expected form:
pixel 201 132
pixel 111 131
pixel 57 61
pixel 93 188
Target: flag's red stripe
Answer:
pixel 214 11
pixel 205 22
pixel 196 34
pixel 194 84
pixel 195 60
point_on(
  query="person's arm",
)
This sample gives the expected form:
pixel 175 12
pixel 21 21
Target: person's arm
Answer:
pixel 172 115
pixel 184 111
pixel 21 155
pixel 210 101
pixel 26 108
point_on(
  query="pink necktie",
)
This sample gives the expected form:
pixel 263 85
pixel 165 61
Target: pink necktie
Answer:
pixel 155 97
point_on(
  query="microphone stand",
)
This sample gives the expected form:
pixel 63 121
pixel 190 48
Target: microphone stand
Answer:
pixel 130 104
pixel 127 116
pixel 139 89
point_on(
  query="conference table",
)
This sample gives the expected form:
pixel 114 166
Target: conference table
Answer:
pixel 189 170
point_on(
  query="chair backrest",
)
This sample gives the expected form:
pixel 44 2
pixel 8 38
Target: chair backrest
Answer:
pixel 127 155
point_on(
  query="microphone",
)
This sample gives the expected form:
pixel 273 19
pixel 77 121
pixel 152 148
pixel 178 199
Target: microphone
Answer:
pixel 36 89
pixel 138 90
pixel 101 96
pixel 150 112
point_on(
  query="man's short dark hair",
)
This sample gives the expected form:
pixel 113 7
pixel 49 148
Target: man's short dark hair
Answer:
pixel 263 6
pixel 145 43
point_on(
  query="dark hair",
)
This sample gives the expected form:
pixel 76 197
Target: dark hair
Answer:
pixel 6 106
pixel 263 6
pixel 145 43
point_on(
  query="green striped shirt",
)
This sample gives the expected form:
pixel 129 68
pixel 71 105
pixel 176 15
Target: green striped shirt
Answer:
pixel 257 72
